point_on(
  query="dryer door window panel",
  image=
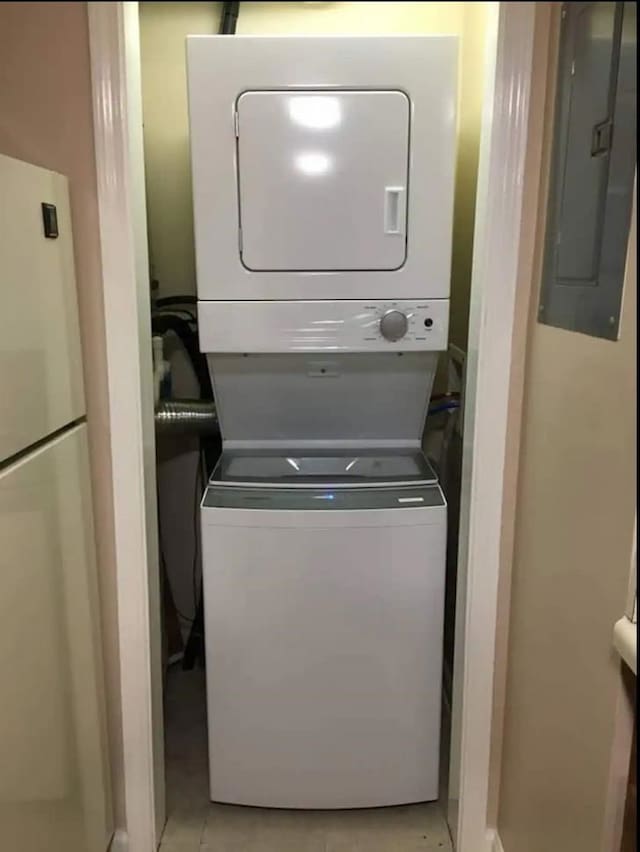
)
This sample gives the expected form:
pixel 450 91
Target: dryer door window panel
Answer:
pixel 323 179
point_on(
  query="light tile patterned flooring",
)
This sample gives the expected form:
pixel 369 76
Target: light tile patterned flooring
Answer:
pixel 196 825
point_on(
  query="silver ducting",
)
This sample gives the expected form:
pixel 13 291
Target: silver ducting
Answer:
pixel 186 417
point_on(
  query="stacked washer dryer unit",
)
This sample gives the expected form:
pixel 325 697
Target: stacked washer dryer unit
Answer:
pixel 323 173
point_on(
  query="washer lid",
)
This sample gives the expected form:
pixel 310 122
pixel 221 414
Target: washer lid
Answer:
pixel 322 468
pixel 325 399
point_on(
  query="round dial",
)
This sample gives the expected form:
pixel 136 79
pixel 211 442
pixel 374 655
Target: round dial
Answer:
pixel 393 325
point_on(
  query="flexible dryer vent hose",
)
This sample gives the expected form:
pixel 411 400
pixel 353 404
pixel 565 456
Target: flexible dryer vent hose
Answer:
pixel 186 417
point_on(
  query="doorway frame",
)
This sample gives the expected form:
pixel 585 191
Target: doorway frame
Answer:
pixel 496 254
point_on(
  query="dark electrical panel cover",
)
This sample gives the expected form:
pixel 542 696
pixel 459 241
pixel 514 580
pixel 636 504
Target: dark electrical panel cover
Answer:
pixel 593 169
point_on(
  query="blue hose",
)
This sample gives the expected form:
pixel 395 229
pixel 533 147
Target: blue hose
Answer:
pixel 450 406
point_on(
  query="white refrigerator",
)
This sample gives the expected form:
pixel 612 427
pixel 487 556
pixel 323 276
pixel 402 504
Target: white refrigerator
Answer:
pixel 54 775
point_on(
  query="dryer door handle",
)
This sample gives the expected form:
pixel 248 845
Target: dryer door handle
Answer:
pixel 394 210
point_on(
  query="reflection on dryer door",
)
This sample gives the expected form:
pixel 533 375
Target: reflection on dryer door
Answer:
pixel 53 772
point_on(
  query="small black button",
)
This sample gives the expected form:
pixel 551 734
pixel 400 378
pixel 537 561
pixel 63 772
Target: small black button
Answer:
pixel 50 220
pixel 428 322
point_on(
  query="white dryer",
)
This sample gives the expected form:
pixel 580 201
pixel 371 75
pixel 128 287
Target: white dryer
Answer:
pixel 323 198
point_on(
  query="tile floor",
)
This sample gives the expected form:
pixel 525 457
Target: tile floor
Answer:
pixel 196 825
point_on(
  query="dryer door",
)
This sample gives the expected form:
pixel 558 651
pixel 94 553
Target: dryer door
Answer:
pixel 322 179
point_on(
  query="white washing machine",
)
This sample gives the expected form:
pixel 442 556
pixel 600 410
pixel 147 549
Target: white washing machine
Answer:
pixel 323 198
pixel 324 615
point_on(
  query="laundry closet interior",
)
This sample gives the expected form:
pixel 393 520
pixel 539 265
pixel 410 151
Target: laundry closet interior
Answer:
pixel 310 178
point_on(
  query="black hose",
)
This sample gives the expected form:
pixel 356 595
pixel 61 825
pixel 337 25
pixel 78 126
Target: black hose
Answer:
pixel 229 18
pixel 173 301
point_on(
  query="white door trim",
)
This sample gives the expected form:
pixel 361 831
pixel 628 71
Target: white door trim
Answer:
pixel 495 264
pixel 496 253
pixel 493 841
pixel 130 383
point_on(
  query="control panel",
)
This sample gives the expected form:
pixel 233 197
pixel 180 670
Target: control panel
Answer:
pixel 324 326
pixel 398 321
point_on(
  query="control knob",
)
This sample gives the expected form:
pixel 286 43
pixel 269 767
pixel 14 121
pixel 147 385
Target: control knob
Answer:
pixel 393 325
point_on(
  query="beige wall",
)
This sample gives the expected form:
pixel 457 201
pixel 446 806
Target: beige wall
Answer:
pixel 575 508
pixel 46 119
pixel 164 27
